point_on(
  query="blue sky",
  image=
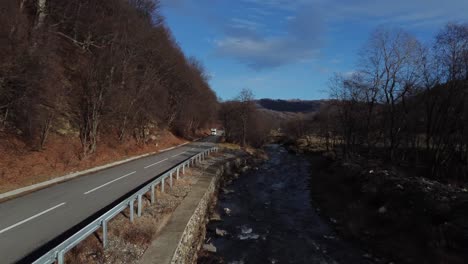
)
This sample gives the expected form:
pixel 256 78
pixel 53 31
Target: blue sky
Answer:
pixel 290 48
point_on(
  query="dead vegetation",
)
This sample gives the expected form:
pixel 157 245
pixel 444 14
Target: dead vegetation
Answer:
pixel 20 167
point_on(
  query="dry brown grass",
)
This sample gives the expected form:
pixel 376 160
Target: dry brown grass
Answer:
pixel 312 143
pixel 141 232
pixel 229 146
pixel 90 250
pixel 20 166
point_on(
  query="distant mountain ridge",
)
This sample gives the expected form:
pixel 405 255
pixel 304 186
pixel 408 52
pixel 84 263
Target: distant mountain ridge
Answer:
pixel 293 106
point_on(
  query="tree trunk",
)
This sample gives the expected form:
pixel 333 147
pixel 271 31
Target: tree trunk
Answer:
pixel 45 131
pixel 41 13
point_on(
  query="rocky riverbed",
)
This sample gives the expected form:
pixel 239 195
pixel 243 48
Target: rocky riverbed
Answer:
pixel 267 215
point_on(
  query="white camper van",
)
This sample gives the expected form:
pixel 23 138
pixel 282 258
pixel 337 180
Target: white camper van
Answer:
pixel 213 131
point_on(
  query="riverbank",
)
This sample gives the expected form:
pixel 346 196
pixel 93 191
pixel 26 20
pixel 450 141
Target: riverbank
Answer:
pixel 407 219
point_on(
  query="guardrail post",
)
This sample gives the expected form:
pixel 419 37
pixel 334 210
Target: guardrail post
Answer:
pixel 162 185
pixel 131 210
pixel 139 206
pixel 60 257
pixel 152 193
pixel 104 233
pixel 170 179
pixel 177 173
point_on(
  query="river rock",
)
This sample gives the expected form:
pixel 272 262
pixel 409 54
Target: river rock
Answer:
pixel 227 211
pixel 245 169
pixel 215 217
pixel 248 236
pixel 246 230
pixel 227 191
pixel 209 247
pixel 382 210
pixel 221 232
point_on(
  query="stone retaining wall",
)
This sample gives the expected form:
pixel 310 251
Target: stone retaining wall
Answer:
pixel 194 234
pixel 181 239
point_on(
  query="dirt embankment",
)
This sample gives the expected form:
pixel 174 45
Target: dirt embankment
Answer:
pixel 402 218
pixel 20 166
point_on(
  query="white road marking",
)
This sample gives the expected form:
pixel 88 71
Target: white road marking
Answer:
pixel 155 163
pixel 162 150
pixel 31 218
pixel 179 154
pixel 105 184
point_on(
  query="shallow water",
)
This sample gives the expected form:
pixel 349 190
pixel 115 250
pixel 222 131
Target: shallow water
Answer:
pixel 269 217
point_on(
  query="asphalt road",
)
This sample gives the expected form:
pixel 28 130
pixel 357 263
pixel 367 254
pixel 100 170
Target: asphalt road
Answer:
pixel 36 222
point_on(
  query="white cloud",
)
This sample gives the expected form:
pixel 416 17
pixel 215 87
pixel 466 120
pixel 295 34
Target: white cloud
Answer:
pixel 264 53
pixel 271 33
pixel 267 46
pixel 245 24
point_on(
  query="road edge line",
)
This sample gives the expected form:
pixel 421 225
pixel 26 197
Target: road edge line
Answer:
pixel 40 185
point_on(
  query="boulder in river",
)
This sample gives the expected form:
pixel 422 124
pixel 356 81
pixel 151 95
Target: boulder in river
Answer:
pixel 215 217
pixel 246 230
pixel 227 191
pixel 227 211
pixel 382 210
pixel 209 247
pixel 248 236
pixel 221 232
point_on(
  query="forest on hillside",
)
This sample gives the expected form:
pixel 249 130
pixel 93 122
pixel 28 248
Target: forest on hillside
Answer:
pixel 294 106
pixel 96 68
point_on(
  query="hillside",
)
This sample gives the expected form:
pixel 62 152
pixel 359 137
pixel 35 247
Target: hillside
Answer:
pixel 293 106
pixel 281 111
pixel 83 83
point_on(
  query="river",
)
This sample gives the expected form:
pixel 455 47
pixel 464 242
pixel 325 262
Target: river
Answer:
pixel 269 217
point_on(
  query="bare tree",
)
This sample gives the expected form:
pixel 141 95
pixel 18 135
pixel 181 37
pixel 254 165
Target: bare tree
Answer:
pixel 247 106
pixel 452 51
pixel 404 93
pixel 393 73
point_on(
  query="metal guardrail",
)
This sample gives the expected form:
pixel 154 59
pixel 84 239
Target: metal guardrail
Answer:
pixel 58 252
